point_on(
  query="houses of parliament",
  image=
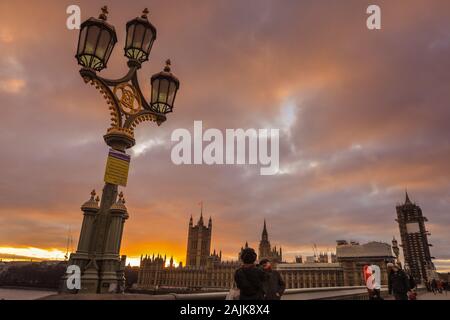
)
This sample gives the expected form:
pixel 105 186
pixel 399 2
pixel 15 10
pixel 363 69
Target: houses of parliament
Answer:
pixel 344 268
pixel 204 269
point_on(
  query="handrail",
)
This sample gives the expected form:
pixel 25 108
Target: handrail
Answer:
pixel 358 290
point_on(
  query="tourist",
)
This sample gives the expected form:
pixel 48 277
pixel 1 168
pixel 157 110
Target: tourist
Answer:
pixel 428 285
pixel 249 278
pixel 440 286
pixel 274 285
pixel 412 282
pixel 412 294
pixel 375 291
pixel 434 286
pixel 398 282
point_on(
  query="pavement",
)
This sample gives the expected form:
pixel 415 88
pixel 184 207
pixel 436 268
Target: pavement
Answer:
pixel 432 296
pixel 107 296
pixel 23 294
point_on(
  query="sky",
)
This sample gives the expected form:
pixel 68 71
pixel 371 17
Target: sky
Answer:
pixel 363 115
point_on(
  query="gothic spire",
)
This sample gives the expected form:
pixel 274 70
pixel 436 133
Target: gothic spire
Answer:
pixel 407 201
pixel 265 236
pixel 200 221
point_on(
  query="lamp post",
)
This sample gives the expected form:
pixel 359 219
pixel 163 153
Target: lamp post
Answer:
pixel 396 250
pixel 98 251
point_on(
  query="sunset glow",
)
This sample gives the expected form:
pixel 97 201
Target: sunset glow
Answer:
pixel 8 254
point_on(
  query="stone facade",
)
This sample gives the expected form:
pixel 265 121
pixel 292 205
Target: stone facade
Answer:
pixel 203 269
pixel 353 257
pixel 345 268
pixel 311 275
pixel 154 273
pixel 199 242
pixel 159 272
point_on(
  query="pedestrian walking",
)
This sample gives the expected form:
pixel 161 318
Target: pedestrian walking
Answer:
pixel 434 286
pixel 274 284
pixel 398 282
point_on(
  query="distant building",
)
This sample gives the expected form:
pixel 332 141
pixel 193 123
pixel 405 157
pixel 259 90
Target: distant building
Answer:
pixel 206 270
pixel 160 272
pixel 323 257
pixel 199 242
pixel 203 269
pixel 416 249
pixel 311 275
pixel 333 258
pixel 154 273
pixel 265 249
pixel 354 256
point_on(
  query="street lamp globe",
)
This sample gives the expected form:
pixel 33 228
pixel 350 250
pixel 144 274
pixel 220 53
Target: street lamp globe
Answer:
pixel 164 89
pixel 96 42
pixel 140 37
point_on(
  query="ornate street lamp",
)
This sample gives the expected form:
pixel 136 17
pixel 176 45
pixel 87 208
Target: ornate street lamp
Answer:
pixel 100 237
pixel 140 37
pixel 96 42
pixel 164 89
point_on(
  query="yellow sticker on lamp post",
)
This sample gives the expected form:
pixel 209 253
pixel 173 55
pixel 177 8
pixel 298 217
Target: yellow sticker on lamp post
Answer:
pixel 117 166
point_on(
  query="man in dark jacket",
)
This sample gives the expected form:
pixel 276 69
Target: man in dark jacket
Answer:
pixel 412 282
pixel 249 278
pixel 274 285
pixel 398 282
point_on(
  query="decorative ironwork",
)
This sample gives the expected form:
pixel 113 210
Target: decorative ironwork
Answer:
pixel 125 100
pixel 129 99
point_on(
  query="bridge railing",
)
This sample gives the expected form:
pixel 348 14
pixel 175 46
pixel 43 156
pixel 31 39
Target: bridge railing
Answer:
pixel 328 293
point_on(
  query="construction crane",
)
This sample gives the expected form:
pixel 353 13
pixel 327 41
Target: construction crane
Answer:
pixel 69 245
pixel 315 252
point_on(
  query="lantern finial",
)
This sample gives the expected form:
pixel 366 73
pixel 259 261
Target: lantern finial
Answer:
pixel 104 14
pixel 168 64
pixel 145 13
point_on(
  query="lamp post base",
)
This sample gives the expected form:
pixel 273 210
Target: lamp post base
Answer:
pixel 119 139
pixel 100 264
